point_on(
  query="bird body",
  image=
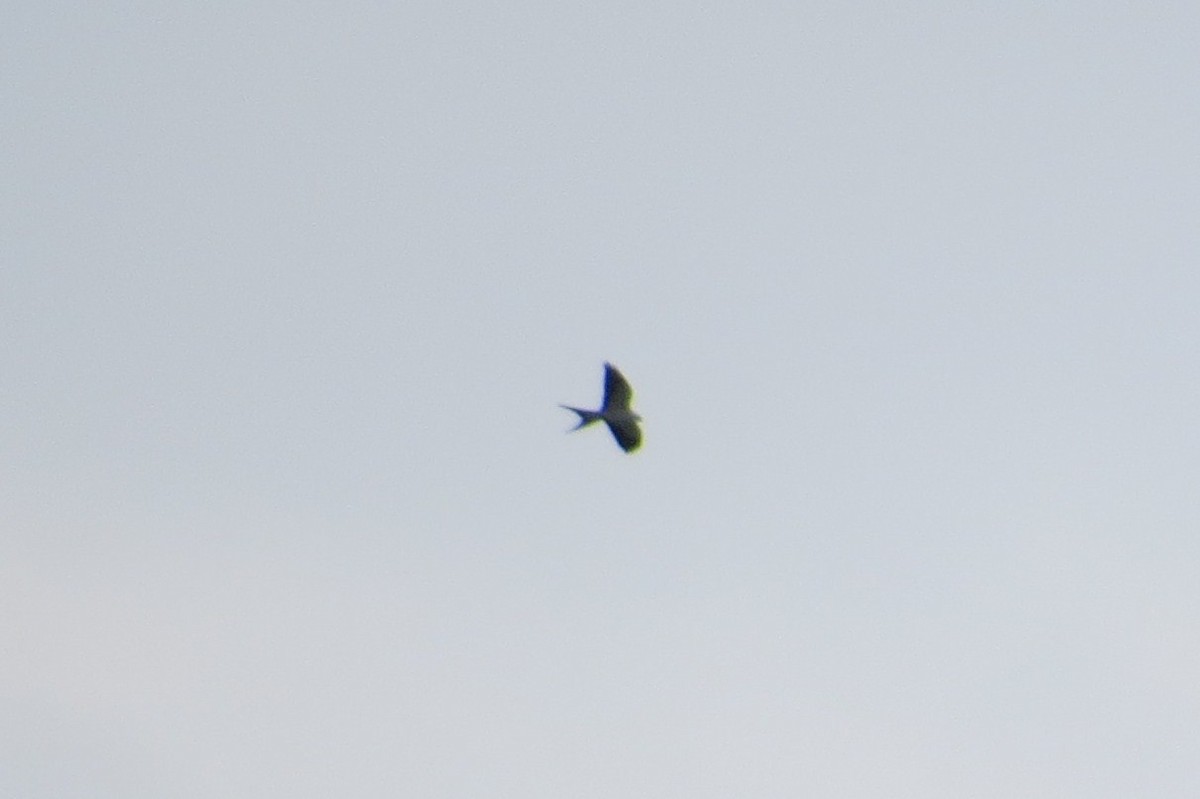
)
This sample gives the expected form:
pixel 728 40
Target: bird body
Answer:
pixel 615 411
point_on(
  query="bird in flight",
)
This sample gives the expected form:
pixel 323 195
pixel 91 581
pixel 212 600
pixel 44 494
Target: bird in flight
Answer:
pixel 615 412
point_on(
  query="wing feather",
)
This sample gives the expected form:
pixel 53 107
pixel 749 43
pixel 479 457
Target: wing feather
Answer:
pixel 627 434
pixel 617 393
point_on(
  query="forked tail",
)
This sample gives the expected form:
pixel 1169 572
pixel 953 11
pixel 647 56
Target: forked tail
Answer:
pixel 585 417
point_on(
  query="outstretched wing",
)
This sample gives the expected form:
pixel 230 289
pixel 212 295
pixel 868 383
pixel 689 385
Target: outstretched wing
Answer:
pixel 617 393
pixel 627 433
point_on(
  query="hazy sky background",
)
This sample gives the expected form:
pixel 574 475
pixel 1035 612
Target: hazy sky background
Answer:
pixel 909 297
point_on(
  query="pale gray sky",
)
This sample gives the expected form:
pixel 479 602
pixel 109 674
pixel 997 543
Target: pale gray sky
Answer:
pixel 289 297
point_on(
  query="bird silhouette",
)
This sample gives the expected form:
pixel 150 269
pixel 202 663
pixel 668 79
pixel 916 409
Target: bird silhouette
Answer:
pixel 615 411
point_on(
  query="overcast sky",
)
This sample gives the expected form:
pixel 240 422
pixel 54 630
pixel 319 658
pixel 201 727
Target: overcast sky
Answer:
pixel 290 293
